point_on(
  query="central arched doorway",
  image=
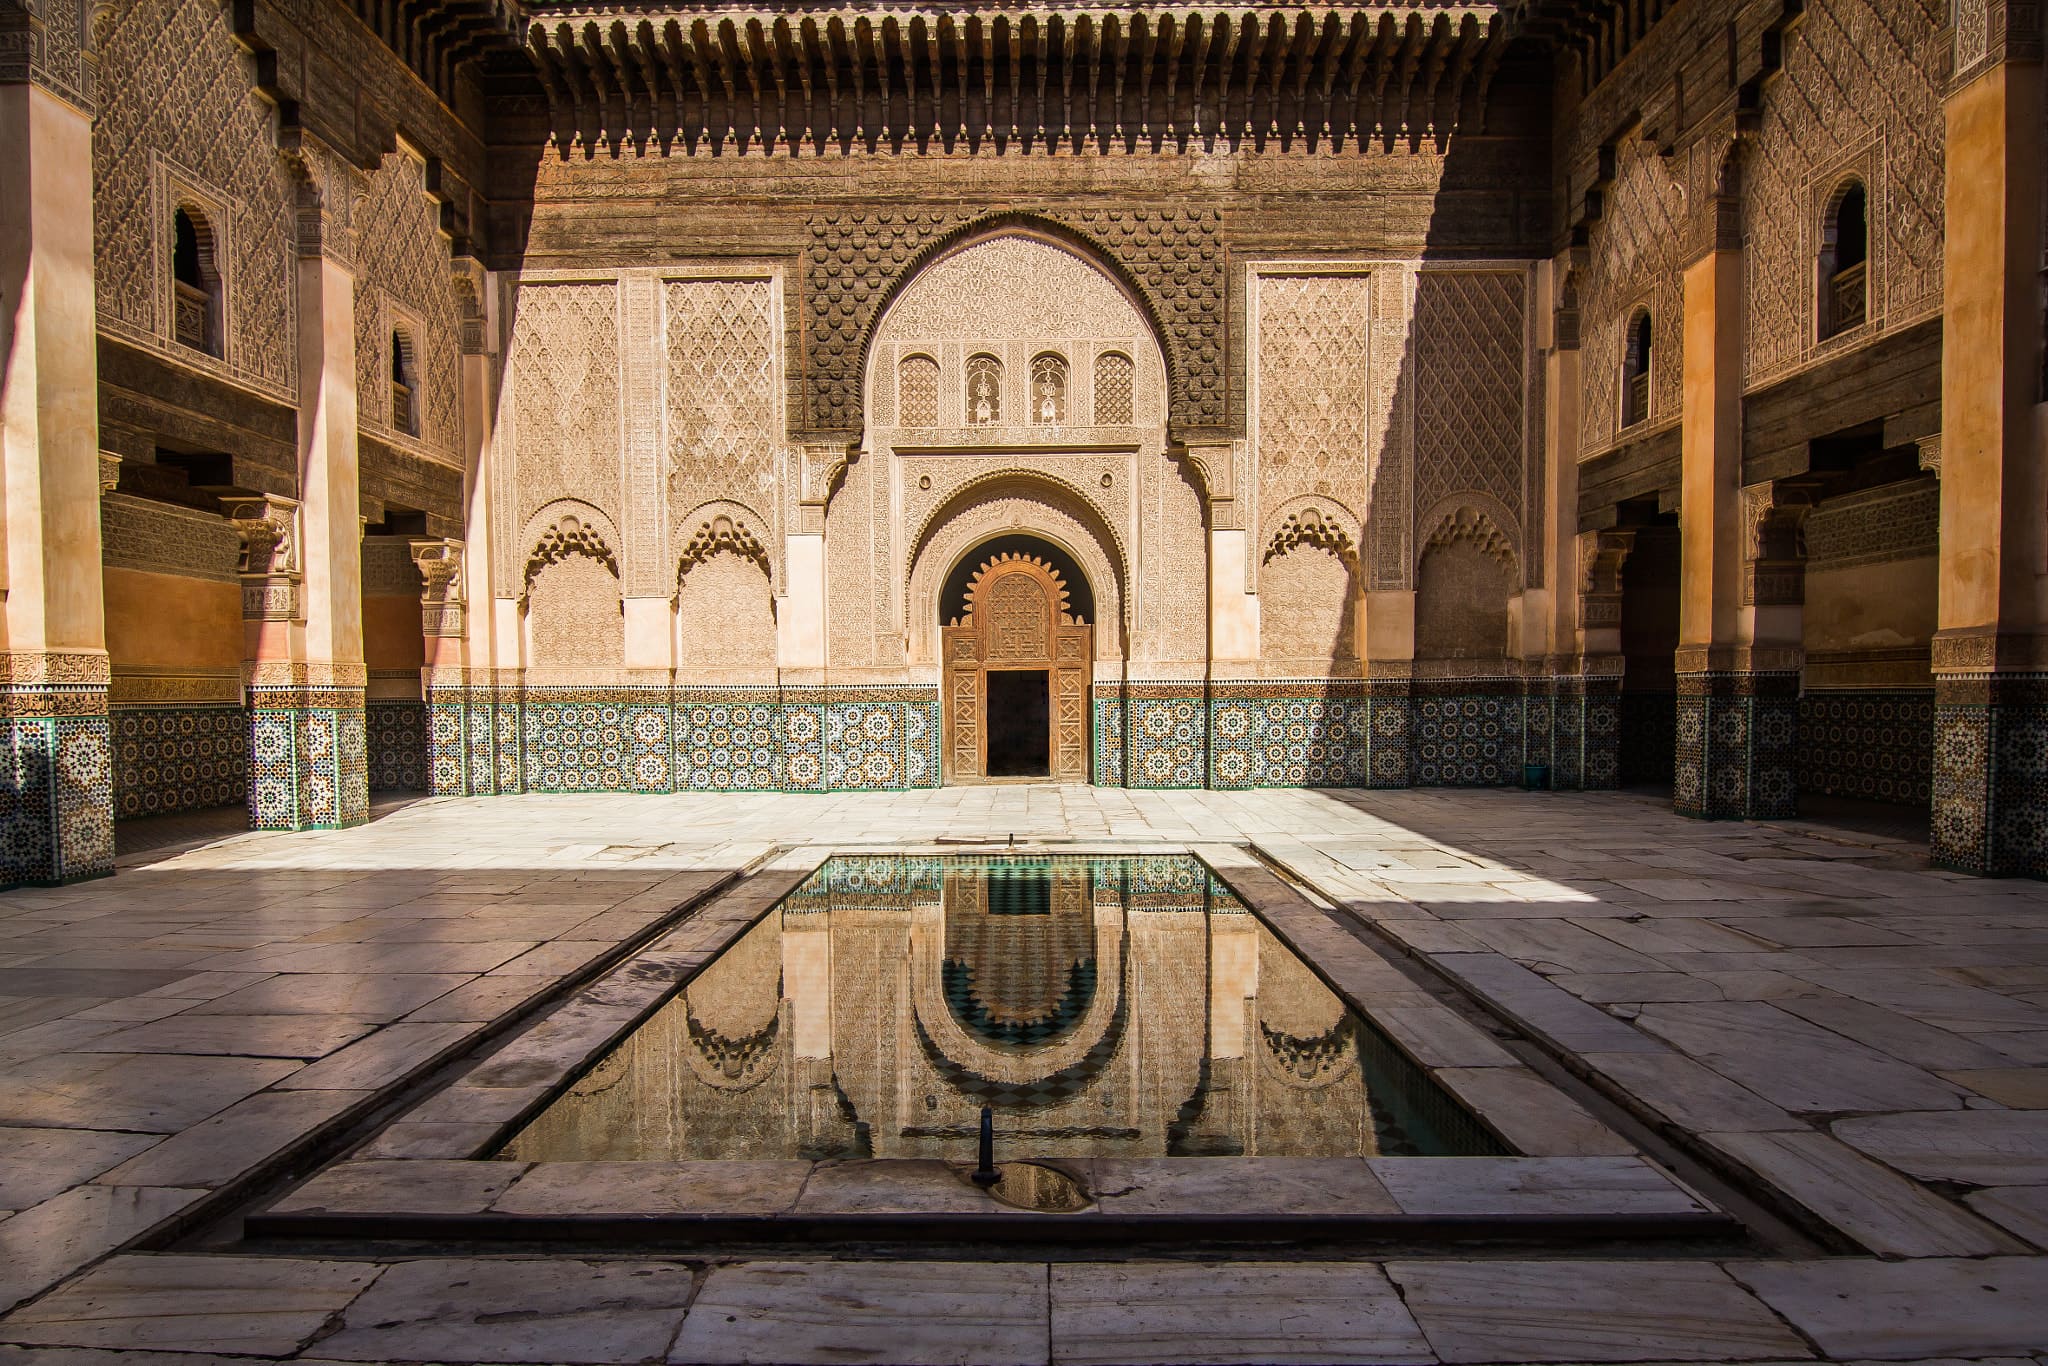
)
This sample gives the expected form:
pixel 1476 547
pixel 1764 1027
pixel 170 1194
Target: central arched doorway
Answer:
pixel 1018 655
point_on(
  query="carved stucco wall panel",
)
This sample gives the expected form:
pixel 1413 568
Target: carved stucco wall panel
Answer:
pixel 1861 94
pixel 560 423
pixel 1318 419
pixel 1633 262
pixel 856 260
pixel 725 622
pixel 176 109
pixel 724 419
pixel 1470 380
pixel 1026 505
pixel 405 280
pixel 859 568
pixel 1015 297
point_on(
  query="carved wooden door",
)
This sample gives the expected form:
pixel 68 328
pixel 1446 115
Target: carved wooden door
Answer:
pixel 1017 619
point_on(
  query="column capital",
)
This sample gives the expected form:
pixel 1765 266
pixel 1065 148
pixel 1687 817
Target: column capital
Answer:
pixel 441 600
pixel 271 569
pixel 330 190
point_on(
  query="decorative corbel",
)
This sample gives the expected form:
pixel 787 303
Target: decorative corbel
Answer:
pixel 1601 556
pixel 1774 543
pixel 110 472
pixel 441 597
pixel 824 465
pixel 268 528
pixel 1930 453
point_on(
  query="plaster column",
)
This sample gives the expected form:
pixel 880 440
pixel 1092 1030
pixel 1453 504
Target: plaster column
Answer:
pixel 1990 805
pixel 56 749
pixel 308 762
pixel 1737 707
pixel 467 706
pixel 1580 613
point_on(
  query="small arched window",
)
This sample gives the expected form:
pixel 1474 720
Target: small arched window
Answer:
pixel 917 392
pixel 1113 385
pixel 1635 370
pixel 1844 260
pixel 984 391
pixel 195 282
pixel 405 408
pixel 1048 390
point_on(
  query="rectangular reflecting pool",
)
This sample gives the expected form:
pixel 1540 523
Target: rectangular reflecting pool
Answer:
pixel 1101 1007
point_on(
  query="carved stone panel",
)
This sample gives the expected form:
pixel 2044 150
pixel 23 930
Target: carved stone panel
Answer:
pixel 563 384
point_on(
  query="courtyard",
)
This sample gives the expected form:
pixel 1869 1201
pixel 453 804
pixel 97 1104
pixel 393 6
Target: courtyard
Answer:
pixel 1842 1048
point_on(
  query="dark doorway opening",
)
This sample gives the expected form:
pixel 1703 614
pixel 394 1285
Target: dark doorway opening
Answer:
pixel 1019 730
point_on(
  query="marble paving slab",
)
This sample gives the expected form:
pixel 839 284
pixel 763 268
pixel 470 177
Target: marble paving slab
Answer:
pixel 262 1306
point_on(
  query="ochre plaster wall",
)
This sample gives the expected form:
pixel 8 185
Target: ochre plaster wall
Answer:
pixel 391 633
pixel 172 622
pixel 1871 607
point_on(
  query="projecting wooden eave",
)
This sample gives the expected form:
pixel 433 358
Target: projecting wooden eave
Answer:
pixel 681 80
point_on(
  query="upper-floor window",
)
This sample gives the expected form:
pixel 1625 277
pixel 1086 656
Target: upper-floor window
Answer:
pixel 405 407
pixel 1113 385
pixel 1635 370
pixel 1845 260
pixel 984 391
pixel 1048 389
pixel 917 392
pixel 195 282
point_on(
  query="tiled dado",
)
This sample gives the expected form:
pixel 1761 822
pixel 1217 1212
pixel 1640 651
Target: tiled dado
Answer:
pixel 1878 746
pixel 397 746
pixel 654 740
pixel 1344 733
pixel 56 769
pixel 1573 724
pixel 1737 745
pixel 308 758
pixel 1990 785
pixel 170 759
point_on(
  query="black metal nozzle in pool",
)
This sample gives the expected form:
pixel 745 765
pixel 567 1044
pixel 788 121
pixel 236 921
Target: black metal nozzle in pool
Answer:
pixel 985 1173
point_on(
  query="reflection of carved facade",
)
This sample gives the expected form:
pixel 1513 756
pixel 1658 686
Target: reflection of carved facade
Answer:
pixel 1111 1011
pixel 1311 345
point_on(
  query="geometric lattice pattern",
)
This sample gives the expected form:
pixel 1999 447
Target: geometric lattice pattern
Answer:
pixel 1736 751
pixel 179 759
pixel 308 765
pixel 737 739
pixel 1878 746
pixel 1468 402
pixel 56 794
pixel 397 751
pixel 1990 789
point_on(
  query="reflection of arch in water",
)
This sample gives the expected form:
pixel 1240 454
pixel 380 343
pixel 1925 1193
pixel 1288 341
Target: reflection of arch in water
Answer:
pixel 731 1064
pixel 985 1061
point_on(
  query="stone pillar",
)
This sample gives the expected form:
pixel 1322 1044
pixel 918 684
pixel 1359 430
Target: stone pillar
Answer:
pixel 471 682
pixel 800 618
pixel 308 740
pixel 56 749
pixel 1573 716
pixel 1736 708
pixel 1990 806
pixel 1233 612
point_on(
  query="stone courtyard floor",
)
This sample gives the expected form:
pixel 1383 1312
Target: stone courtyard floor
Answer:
pixel 1811 1012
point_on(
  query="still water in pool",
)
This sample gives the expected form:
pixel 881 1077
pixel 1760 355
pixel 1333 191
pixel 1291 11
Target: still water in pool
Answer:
pixel 1102 1007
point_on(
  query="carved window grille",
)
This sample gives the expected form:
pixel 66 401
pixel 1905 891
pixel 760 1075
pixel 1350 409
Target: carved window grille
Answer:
pixel 1048 390
pixel 917 392
pixel 405 409
pixel 984 391
pixel 195 282
pixel 1845 260
pixel 1114 381
pixel 1635 371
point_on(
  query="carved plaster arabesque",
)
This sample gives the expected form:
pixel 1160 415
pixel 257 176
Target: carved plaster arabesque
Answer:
pixel 1632 261
pixel 405 282
pixel 857 261
pixel 567 534
pixel 722 533
pixel 1471 379
pixel 1860 92
pixel 1021 509
pixel 1478 525
pixel 175 114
